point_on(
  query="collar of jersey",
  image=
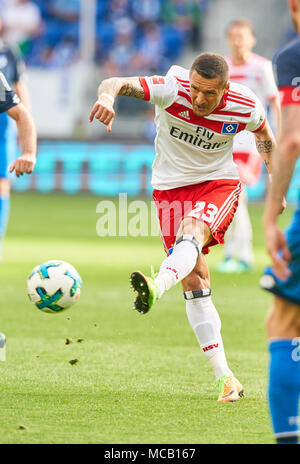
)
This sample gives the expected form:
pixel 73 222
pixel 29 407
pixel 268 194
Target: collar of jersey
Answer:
pixel 222 104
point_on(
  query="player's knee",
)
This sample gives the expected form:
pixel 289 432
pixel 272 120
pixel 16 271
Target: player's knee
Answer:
pixel 192 226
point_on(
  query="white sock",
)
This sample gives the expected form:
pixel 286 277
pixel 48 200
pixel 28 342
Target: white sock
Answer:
pixel 176 266
pixel 238 243
pixel 205 321
pixel 244 232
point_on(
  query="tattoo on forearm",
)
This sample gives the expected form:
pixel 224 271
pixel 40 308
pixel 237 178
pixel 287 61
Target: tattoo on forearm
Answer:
pixel 264 146
pixel 267 164
pixel 132 90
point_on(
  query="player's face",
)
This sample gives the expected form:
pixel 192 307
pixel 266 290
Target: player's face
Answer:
pixel 206 94
pixel 240 39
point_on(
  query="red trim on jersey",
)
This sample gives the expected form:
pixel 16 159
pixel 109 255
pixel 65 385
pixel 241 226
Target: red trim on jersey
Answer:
pixel 185 95
pixel 261 126
pixel 242 76
pixel 186 86
pixel 175 109
pixel 240 96
pixel 181 80
pixel 145 88
pixel 232 113
pixel 243 103
pixel 223 102
pixel 216 110
pixel 289 95
pixel 237 76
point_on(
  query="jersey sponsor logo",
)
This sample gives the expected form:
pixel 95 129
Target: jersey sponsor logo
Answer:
pixel 196 139
pixel 230 128
pixel 185 114
pixel 158 80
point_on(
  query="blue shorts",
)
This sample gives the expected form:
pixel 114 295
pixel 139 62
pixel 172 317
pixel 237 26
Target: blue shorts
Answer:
pixel 289 289
pixel 8 144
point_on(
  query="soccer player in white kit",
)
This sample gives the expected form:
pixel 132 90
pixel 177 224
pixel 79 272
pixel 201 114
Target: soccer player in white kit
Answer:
pixel 254 71
pixel 196 184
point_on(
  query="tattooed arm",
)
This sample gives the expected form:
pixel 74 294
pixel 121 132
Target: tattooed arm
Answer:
pixel 265 144
pixel 108 90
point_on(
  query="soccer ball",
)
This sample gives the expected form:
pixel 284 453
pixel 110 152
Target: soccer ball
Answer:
pixel 53 286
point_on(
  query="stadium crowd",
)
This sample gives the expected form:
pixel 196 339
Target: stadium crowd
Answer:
pixel 132 36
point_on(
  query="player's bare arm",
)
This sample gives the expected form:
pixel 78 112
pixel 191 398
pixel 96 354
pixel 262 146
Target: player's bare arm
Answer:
pixel 108 90
pixel 27 133
pixel 23 93
pixel 276 110
pixel 265 144
pixel 283 164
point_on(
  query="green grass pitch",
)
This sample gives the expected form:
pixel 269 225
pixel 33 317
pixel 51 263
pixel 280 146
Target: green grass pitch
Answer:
pixel 138 379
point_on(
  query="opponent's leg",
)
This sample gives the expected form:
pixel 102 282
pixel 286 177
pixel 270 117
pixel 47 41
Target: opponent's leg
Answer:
pixel 283 331
pixel 205 322
pixel 191 237
pixel 4 208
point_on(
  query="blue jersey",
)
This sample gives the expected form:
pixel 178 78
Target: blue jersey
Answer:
pixel 12 68
pixel 286 64
pixel 287 72
pixel 11 65
pixel 8 98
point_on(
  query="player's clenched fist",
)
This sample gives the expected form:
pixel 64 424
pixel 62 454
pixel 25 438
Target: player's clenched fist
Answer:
pixel 24 164
pixel 103 111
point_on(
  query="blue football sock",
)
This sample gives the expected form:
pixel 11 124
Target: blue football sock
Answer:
pixel 284 389
pixel 4 215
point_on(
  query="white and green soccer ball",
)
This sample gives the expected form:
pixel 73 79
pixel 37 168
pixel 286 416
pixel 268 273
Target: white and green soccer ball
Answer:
pixel 53 286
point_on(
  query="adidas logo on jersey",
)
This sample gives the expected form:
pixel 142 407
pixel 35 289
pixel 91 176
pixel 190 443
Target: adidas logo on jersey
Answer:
pixel 185 114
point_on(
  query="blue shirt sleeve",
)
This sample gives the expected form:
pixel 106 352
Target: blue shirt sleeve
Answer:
pixel 8 98
pixel 286 64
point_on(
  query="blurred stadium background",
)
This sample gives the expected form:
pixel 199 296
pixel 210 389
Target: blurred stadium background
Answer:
pixel 137 379
pixel 70 46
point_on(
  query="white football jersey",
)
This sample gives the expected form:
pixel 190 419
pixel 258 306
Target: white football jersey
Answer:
pixel 192 149
pixel 257 74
